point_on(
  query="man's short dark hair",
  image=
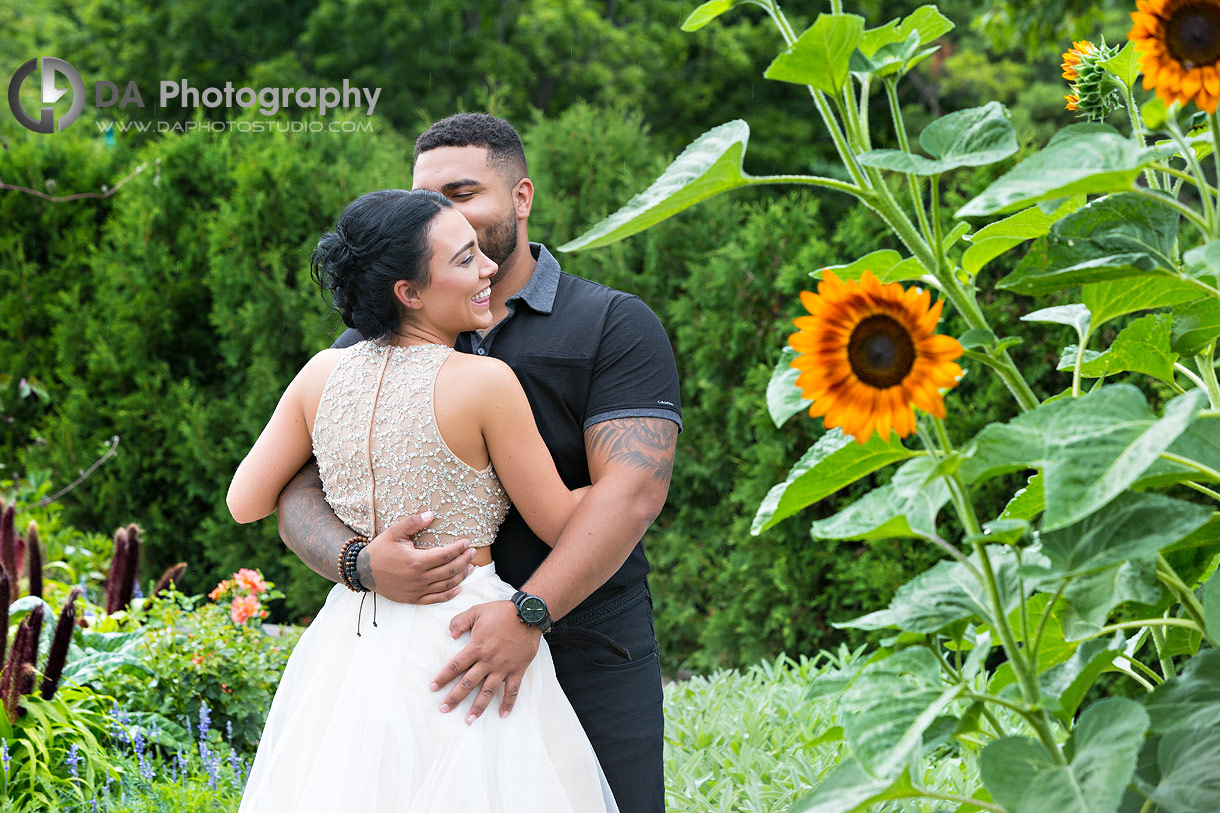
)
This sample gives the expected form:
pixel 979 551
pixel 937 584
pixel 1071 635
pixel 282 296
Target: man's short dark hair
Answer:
pixel 497 136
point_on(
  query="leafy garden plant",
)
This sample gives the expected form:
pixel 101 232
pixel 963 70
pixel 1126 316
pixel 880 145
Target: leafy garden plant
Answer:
pixel 1096 577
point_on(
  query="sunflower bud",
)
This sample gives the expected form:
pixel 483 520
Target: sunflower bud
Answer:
pixel 170 578
pixel 1094 95
pixel 58 655
pixel 34 551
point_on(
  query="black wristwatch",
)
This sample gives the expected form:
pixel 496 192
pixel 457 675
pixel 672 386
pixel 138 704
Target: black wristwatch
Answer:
pixel 532 610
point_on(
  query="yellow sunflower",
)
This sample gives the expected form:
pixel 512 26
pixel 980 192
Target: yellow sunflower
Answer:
pixel 1073 101
pixel 1071 59
pixel 869 354
pixel 1179 46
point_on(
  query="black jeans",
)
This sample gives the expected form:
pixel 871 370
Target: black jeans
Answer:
pixel 618 701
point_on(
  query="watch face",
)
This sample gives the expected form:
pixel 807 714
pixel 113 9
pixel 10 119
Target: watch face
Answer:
pixel 533 610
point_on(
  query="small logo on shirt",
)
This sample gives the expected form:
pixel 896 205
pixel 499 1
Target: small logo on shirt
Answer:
pixel 667 403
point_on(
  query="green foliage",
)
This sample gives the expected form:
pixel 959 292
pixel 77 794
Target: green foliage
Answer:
pixel 1087 532
pixel 37 743
pixel 188 652
pixel 188 317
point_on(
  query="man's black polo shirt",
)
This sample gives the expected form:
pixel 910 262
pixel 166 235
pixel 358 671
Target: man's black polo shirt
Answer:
pixel 584 353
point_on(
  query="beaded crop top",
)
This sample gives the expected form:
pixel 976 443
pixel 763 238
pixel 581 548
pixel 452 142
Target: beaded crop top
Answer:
pixel 382 457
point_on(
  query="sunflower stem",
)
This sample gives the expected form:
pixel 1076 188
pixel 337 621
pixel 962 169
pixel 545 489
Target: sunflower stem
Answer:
pixel 1076 368
pixel 1202 489
pixel 1137 130
pixel 1179 174
pixel 1192 160
pixel 1213 122
pixel 1186 371
pixel 1157 634
pixel 1036 644
pixel 1207 371
pixel 1183 593
pixel 1145 668
pixel 1191 464
pixel 891 92
pixel 819 98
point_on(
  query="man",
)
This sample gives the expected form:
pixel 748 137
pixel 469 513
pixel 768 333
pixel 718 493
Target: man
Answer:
pixel 600 376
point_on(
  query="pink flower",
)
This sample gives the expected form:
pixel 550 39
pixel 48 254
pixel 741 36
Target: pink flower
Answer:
pixel 220 589
pixel 250 580
pixel 244 608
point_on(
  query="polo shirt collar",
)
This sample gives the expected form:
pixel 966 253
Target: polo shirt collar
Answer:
pixel 539 292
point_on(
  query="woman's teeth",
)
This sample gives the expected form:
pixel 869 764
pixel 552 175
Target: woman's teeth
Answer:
pixel 482 296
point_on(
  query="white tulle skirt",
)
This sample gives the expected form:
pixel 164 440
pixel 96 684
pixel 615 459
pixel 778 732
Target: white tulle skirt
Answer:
pixel 354 727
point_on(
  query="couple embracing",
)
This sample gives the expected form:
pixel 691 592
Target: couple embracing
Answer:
pixel 478 395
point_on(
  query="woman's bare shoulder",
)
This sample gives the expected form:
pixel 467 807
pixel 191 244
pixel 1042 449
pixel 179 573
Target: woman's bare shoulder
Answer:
pixel 312 377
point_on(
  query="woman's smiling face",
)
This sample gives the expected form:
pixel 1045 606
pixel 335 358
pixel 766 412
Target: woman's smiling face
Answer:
pixel 458 295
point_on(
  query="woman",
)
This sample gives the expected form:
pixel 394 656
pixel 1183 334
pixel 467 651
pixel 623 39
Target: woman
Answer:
pixel 398 423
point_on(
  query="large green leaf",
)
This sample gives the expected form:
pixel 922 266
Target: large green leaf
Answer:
pixel 1074 316
pixel 890 706
pixel 996 238
pixel 1200 442
pixel 1107 300
pixel 1188 764
pixel 1195 326
pixel 1211 606
pixel 1028 502
pixel 1089 599
pixel 1024 778
pixel 706 13
pixel 848 788
pixel 886 264
pixel 784 399
pixel 1142 347
pixel 833 462
pixel 1089 449
pixel 709 166
pixel 965 138
pixel 1125 65
pixel 1203 263
pixel 1064 685
pixel 906 507
pixel 927 21
pixel 821 56
pixel 1111 238
pixel 1081 159
pixel 891 58
pixel 1189 700
pixel 948 593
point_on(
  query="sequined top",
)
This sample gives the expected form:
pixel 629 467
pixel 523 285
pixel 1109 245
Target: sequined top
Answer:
pixel 382 457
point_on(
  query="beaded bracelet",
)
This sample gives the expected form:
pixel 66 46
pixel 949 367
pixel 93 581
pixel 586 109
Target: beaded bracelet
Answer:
pixel 348 556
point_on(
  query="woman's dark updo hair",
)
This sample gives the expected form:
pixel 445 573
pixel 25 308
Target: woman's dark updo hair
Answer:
pixel 380 238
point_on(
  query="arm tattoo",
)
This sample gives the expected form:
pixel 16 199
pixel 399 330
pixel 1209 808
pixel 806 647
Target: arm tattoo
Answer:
pixel 640 443
pixel 309 526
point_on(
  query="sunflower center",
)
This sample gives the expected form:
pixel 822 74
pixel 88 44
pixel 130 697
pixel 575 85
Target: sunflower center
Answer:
pixel 881 351
pixel 1192 33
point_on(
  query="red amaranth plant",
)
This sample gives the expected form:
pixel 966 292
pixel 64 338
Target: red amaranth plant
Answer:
pixel 4 588
pixel 123 569
pixel 171 576
pixel 18 671
pixel 8 550
pixel 58 656
pixel 34 551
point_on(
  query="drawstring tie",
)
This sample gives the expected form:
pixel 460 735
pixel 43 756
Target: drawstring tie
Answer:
pixel 360 612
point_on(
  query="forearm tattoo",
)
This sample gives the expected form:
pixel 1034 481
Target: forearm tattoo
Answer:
pixel 309 527
pixel 640 443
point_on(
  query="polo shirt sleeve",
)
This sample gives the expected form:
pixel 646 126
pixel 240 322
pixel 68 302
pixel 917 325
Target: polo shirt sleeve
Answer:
pixel 634 374
pixel 347 339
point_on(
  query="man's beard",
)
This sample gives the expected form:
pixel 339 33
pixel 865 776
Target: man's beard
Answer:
pixel 498 242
